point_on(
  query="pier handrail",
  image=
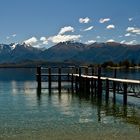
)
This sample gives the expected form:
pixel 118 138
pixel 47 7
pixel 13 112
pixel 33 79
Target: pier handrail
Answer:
pixel 111 79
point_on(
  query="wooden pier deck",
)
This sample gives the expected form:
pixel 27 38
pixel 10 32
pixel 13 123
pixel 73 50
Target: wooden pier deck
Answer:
pixel 85 80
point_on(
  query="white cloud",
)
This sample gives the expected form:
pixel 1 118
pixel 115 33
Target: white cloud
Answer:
pixel 7 37
pixel 132 42
pixel 14 35
pixel 120 36
pixel 123 41
pixel 63 38
pixel 110 40
pixel 130 19
pixel 90 41
pixel 88 29
pixel 84 20
pixel 103 20
pixel 44 40
pixel 128 34
pixel 110 26
pixel 31 41
pixel 133 30
pixel 10 36
pixel 66 29
pixel 98 37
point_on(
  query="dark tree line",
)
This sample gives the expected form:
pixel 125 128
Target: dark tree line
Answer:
pixel 126 63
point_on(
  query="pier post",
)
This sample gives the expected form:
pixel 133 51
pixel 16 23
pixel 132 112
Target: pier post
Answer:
pixel 49 79
pixel 92 81
pixel 114 87
pixel 80 79
pixel 39 77
pixel 99 84
pixel 68 74
pixel 72 80
pixel 76 80
pixel 107 90
pixel 125 94
pixel 87 81
pixel 59 80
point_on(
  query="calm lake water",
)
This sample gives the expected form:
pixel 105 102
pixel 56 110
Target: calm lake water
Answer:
pixel 26 114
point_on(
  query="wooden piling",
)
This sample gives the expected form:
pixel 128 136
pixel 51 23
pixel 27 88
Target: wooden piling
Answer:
pixel 107 90
pixel 114 87
pixel 95 87
pixel 76 80
pixel 125 94
pixel 59 80
pixel 92 81
pixel 49 79
pixel 72 80
pixel 99 84
pixel 80 80
pixel 39 77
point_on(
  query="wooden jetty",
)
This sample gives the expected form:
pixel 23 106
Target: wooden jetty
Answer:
pixel 88 80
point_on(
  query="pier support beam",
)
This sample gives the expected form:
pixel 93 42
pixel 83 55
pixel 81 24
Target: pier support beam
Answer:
pixel 99 84
pixel 72 80
pixel 49 79
pixel 59 80
pixel 39 77
pixel 92 81
pixel 76 80
pixel 107 91
pixel 114 87
pixel 125 94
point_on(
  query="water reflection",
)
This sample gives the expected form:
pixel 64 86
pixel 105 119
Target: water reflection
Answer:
pixel 106 111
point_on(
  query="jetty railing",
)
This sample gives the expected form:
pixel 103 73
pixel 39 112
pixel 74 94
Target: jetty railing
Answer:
pixel 88 80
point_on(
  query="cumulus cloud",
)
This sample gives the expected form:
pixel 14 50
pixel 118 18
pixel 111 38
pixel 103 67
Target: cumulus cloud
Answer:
pixel 7 37
pixel 110 27
pixel 132 42
pixel 128 34
pixel 63 38
pixel 123 41
pixel 14 35
pixel 103 20
pixel 110 40
pixel 66 29
pixel 130 19
pixel 31 41
pixel 90 41
pixel 98 37
pixel 120 36
pixel 11 36
pixel 89 28
pixel 44 40
pixel 133 30
pixel 84 20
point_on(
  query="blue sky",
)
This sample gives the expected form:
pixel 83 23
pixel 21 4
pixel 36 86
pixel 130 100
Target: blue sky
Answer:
pixel 47 22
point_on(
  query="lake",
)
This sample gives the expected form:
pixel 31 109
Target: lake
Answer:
pixel 26 114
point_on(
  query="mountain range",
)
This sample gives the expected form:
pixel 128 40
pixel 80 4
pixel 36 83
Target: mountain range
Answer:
pixel 70 52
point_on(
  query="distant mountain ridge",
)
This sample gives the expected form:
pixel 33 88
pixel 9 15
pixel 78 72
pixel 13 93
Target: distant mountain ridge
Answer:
pixel 71 52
